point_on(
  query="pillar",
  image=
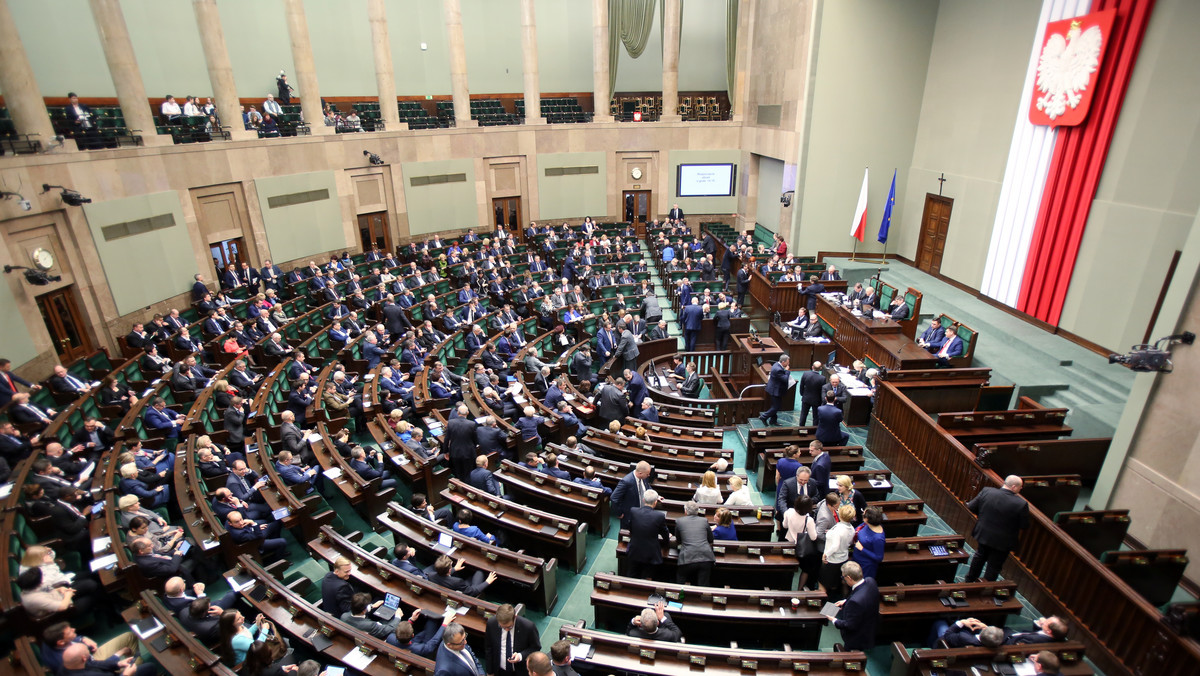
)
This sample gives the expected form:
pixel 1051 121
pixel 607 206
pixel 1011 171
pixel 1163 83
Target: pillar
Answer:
pixel 21 94
pixel 220 70
pixel 529 64
pixel 306 69
pixel 745 38
pixel 122 66
pixel 384 75
pixel 452 11
pixel 601 96
pixel 670 78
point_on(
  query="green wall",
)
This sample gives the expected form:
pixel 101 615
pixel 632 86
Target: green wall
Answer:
pixel 770 187
pixel 702 46
pixel 872 57
pixel 15 338
pixel 643 74
pixel 440 206
pixel 166 43
pixel 418 73
pixel 572 196
pixel 257 40
pixel 492 33
pixel 564 45
pixel 63 47
pixel 166 262
pixel 341 45
pixel 702 205
pixel 301 230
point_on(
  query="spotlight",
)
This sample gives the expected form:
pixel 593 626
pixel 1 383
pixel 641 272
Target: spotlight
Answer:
pixel 69 197
pixel 372 158
pixel 24 203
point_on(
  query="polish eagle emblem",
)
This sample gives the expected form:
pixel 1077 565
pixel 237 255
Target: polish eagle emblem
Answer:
pixel 1067 69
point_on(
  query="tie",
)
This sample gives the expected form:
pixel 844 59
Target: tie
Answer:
pixel 508 649
pixel 11 385
pixel 641 492
pixel 945 349
pixel 40 415
pixel 74 382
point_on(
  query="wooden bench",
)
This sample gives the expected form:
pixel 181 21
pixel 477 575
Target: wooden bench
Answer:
pixel 610 653
pixel 907 611
pixel 739 563
pixel 559 496
pixel 286 606
pixel 1097 531
pixel 528 576
pixel 842 459
pixel 670 484
pixel 928 661
pixel 970 338
pixel 1052 493
pixel 1153 573
pixel 560 537
pixel 633 450
pixel 1083 457
pixel 174 648
pixel 367 496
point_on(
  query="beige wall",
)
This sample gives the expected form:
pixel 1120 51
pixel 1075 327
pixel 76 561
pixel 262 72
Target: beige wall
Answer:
pixel 866 102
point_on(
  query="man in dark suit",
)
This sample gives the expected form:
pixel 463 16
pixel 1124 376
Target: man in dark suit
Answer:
pixel 581 363
pixel 859 611
pixel 840 394
pixel 454 656
pixel 158 566
pixel 461 439
pixel 814 289
pixel 830 275
pixel 933 337
pixel 443 574
pixel 629 492
pixel 1002 515
pixel 812 384
pixel 829 423
pixel 235 423
pixel 675 214
pixel 777 384
pixel 627 348
pixel 953 347
pixel 799 484
pixel 721 320
pixel 691 318
pixel 336 592
pixel 647 533
pixel 509 640
pixel 611 403
pixel 743 284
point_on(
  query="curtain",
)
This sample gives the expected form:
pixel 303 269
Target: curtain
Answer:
pixel 629 23
pixel 731 26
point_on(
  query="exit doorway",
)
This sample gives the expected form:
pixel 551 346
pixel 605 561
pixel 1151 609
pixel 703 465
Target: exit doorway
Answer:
pixel 65 324
pixel 637 206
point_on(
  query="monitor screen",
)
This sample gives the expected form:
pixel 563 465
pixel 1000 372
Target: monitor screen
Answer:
pixel 705 180
pixel 831 359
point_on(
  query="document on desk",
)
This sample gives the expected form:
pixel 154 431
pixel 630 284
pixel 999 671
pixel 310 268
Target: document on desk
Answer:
pixel 581 651
pixel 830 610
pixel 357 659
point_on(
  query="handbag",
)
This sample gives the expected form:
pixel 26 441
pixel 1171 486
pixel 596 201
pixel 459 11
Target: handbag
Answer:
pixel 805 547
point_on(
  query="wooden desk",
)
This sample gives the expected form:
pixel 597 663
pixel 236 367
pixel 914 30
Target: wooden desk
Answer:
pixel 747 353
pixel 906 611
pixel 740 564
pixel 529 576
pixel 926 662
pixel 174 648
pixel 622 654
pixel 708 612
pixel 559 496
pixel 882 340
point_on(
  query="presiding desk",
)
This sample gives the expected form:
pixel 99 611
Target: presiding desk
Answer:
pixel 748 352
pixel 880 340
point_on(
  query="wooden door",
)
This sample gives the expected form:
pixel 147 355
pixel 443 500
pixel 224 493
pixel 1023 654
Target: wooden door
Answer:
pixel 637 206
pixel 506 212
pixel 65 324
pixel 934 224
pixel 373 231
pixel 229 251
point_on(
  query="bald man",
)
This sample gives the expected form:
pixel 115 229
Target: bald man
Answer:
pixel 1003 514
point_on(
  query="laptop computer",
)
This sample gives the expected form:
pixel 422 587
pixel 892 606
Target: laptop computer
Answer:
pixel 387 611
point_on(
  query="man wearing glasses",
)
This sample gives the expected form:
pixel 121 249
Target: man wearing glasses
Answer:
pixel 454 657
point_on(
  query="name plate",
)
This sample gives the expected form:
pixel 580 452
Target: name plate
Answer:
pixel 529 567
pixel 539 480
pixel 492 504
pixel 673 451
pixel 646 654
pixel 697 660
pixel 767 603
pixel 801 666
pixel 751 665
pixel 603 584
pixel 958 595
pixel 718 550
pixel 853 666
pixel 534 518
pixel 416 589
pixel 754 551
pixel 719 600
pixel 491 556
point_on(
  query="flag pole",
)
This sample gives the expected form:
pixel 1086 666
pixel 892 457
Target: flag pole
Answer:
pixel 883 261
pixel 854 252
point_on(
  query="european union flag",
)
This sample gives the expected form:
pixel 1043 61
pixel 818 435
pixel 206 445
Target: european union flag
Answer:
pixel 887 212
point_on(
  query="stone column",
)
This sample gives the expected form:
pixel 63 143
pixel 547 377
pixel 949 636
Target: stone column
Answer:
pixel 122 66
pixel 21 94
pixel 670 79
pixel 306 69
pixel 601 96
pixel 452 11
pixel 384 75
pixel 745 39
pixel 220 70
pixel 529 64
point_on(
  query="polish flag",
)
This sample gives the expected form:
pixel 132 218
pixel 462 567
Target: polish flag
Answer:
pixel 858 228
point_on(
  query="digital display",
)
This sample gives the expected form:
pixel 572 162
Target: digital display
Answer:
pixel 705 180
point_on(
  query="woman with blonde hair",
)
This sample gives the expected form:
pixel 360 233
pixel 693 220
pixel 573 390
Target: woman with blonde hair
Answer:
pixel 837 552
pixel 847 495
pixel 223 394
pixel 724 530
pixel 614 427
pixel 53 577
pixel 708 493
pixel 739 492
pixel 639 432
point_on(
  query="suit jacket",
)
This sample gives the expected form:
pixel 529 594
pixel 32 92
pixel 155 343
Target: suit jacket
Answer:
pixel 628 347
pixel 611 404
pixel 456 583
pixel 491 439
pixel 859 616
pixel 667 631
pixel 484 480
pixel 935 337
pixel 899 312
pixel 461 438
pixel 525 640
pixel 647 527
pixel 812 387
pixel 695 540
pixel 154 565
pixel 812 291
pixel 692 317
pixel 335 594
pixel 722 319
pixel 840 393
pixel 450 664
pixel 952 347
pixel 829 419
pixel 235 425
pixel 1002 515
pixel 777 382
pixel 788 491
